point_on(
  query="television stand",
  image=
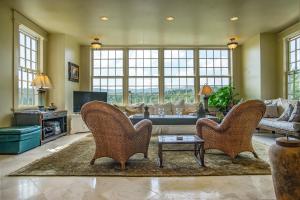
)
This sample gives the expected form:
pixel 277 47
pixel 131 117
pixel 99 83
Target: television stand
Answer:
pixel 53 123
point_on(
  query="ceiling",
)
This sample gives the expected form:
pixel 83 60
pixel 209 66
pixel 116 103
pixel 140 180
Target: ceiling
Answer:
pixel 142 22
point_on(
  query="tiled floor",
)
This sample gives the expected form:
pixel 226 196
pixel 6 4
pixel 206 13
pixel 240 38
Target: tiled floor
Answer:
pixel 210 187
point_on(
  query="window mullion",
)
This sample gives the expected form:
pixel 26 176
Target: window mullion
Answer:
pixel 126 76
pixel 161 75
pixel 196 72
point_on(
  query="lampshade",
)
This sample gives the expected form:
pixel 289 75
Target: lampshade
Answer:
pixel 96 44
pixel 232 44
pixel 41 81
pixel 205 90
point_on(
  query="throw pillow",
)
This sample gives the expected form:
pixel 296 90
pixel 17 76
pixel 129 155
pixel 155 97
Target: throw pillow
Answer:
pixel 178 104
pixel 122 108
pixel 167 109
pixel 134 109
pixel 190 108
pixel 271 111
pixel 268 102
pixel 285 116
pixel 295 116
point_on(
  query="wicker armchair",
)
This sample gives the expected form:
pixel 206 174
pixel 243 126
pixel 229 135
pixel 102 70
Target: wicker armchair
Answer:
pixel 114 134
pixel 234 134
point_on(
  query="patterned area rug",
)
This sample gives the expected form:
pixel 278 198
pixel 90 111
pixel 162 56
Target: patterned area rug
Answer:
pixel 74 161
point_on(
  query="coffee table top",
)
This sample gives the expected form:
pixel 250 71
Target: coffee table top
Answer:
pixel 173 139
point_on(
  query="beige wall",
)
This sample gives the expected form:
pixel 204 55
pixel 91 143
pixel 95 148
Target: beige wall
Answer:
pixel 56 69
pixel 268 56
pixel 259 67
pixel 236 69
pixel 72 54
pixel 6 65
pixel 62 49
pixel 251 73
pixel 85 68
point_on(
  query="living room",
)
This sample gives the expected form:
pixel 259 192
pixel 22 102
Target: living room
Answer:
pixel 200 99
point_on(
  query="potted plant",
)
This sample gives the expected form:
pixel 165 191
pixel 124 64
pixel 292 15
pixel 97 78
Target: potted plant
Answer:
pixel 224 99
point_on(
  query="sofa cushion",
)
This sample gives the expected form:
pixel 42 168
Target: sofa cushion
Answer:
pixel 153 109
pixel 284 103
pixel 190 108
pixel 295 116
pixel 271 111
pixel 282 125
pixel 120 107
pixel 178 105
pixel 285 116
pixel 134 109
pixel 268 102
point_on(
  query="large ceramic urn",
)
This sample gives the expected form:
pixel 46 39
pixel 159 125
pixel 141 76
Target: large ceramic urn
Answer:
pixel 285 164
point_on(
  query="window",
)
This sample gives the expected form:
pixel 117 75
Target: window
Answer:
pixel 143 76
pixel 214 68
pixel 28 67
pixel 294 68
pixel 108 74
pixel 179 75
pixel 158 75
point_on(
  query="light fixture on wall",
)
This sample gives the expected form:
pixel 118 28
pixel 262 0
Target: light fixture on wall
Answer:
pixel 96 44
pixel 232 44
pixel 170 18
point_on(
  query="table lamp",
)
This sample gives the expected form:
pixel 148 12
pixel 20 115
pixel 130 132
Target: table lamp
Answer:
pixel 206 90
pixel 42 82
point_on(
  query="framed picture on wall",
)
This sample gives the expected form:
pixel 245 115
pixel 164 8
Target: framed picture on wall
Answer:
pixel 73 72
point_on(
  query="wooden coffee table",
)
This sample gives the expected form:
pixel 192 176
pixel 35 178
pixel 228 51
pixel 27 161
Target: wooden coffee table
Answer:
pixel 195 140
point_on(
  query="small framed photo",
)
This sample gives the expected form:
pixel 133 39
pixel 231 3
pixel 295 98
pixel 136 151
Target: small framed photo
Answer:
pixel 73 72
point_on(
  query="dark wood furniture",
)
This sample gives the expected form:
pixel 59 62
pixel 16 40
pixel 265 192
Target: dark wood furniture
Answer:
pixel 194 140
pixel 170 119
pixel 42 118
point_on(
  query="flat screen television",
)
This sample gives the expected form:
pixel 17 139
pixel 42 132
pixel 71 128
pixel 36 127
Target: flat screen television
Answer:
pixel 82 97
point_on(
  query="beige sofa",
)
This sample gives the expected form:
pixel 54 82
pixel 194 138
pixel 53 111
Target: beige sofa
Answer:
pixel 169 109
pixel 283 127
pixel 78 126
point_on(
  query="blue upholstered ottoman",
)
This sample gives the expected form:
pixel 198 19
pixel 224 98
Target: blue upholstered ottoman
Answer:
pixel 14 140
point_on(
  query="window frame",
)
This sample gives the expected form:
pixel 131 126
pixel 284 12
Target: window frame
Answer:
pixel 122 77
pixel 296 70
pixel 161 75
pixel 193 76
pixel 129 99
pixel 229 76
pixel 39 53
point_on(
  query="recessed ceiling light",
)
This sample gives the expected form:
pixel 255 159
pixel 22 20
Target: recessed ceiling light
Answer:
pixel 234 18
pixel 170 18
pixel 104 18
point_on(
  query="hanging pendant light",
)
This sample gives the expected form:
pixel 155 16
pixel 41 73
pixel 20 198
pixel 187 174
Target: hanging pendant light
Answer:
pixel 232 44
pixel 96 44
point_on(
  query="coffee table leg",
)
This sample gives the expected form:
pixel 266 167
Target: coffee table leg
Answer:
pixel 160 155
pixel 202 154
pixel 195 150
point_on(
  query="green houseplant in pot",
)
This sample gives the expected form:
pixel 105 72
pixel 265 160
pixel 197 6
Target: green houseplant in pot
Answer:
pixel 224 99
